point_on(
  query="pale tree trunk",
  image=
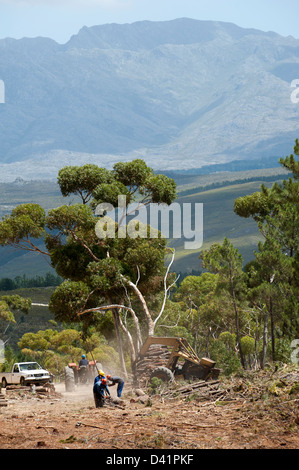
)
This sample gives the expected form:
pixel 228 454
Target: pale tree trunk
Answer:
pixel 151 324
pixel 272 329
pixel 119 342
pixel 132 350
pixel 149 320
pixel 237 324
pixel 265 340
pixel 118 322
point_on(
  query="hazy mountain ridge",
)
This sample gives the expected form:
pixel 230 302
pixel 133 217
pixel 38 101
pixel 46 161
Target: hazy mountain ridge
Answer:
pixel 181 94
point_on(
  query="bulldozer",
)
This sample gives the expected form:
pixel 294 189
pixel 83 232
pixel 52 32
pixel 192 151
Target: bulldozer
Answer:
pixel 182 362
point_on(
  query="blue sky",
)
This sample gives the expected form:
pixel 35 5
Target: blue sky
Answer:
pixel 60 19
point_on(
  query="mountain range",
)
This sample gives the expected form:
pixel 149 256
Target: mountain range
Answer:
pixel 181 94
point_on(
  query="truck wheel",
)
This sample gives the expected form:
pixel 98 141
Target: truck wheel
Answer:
pixel 163 373
pixel 69 378
pixel 22 381
pixel 4 383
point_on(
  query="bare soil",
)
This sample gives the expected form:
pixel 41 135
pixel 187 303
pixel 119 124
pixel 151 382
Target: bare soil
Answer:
pixel 246 417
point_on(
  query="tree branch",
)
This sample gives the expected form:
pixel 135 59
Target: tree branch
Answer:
pixel 166 289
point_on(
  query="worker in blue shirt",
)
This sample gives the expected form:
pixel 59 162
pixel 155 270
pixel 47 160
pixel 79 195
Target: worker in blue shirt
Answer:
pixel 83 361
pixel 100 392
pixel 100 376
pixel 116 380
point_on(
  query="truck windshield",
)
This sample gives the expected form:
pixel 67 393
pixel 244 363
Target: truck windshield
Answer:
pixel 30 366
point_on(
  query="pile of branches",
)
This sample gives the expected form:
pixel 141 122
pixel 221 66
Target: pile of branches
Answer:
pixel 256 385
pixel 251 386
pixel 201 390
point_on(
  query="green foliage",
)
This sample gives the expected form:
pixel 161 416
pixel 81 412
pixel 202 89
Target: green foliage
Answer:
pixel 26 221
pixel 70 260
pixel 127 178
pixel 274 275
pixel 68 299
pixel 257 205
pixel 290 162
pixel 248 345
pixel 67 218
pixel 13 302
pixel 5 314
pixel 161 189
pixel 16 302
pixel 82 180
pixel 176 321
pixel 229 340
pixel 133 174
pixel 56 349
pixel 10 359
pixel 155 384
pixel 195 290
pixel 109 193
pixel 105 275
pixel 49 280
pixel 224 260
pixel 226 359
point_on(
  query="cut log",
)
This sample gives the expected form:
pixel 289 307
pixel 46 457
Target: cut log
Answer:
pixel 156 356
pixel 3 401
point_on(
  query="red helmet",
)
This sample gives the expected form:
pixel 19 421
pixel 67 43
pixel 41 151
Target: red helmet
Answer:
pixel 104 381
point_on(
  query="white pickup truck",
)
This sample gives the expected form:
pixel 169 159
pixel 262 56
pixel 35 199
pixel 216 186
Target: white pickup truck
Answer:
pixel 25 373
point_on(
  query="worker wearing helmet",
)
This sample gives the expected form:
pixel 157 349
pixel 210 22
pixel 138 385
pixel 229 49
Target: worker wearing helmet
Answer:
pixel 83 361
pixel 100 391
pixel 113 380
pixel 83 369
pixel 100 376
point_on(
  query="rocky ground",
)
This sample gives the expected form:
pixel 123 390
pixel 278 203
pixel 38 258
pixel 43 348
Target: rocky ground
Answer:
pixel 257 411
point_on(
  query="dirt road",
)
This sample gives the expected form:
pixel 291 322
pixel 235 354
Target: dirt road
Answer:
pixel 70 421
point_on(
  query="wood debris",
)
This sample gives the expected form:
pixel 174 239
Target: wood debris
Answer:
pixel 156 356
pixel 202 390
pixel 3 401
pixel 17 392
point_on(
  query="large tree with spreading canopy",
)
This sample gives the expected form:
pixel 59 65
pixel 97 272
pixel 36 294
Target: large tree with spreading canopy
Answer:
pixel 100 273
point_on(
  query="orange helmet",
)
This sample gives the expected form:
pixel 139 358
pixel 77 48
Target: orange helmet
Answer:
pixel 104 381
pixel 108 376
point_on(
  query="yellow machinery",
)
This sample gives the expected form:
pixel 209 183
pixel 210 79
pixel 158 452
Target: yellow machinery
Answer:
pixel 183 360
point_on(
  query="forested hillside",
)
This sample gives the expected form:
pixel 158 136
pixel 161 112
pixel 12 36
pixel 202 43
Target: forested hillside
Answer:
pixel 234 304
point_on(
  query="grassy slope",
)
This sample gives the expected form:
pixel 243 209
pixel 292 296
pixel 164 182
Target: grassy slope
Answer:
pixel 219 218
pixel 37 319
pixel 220 221
pixel 46 193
